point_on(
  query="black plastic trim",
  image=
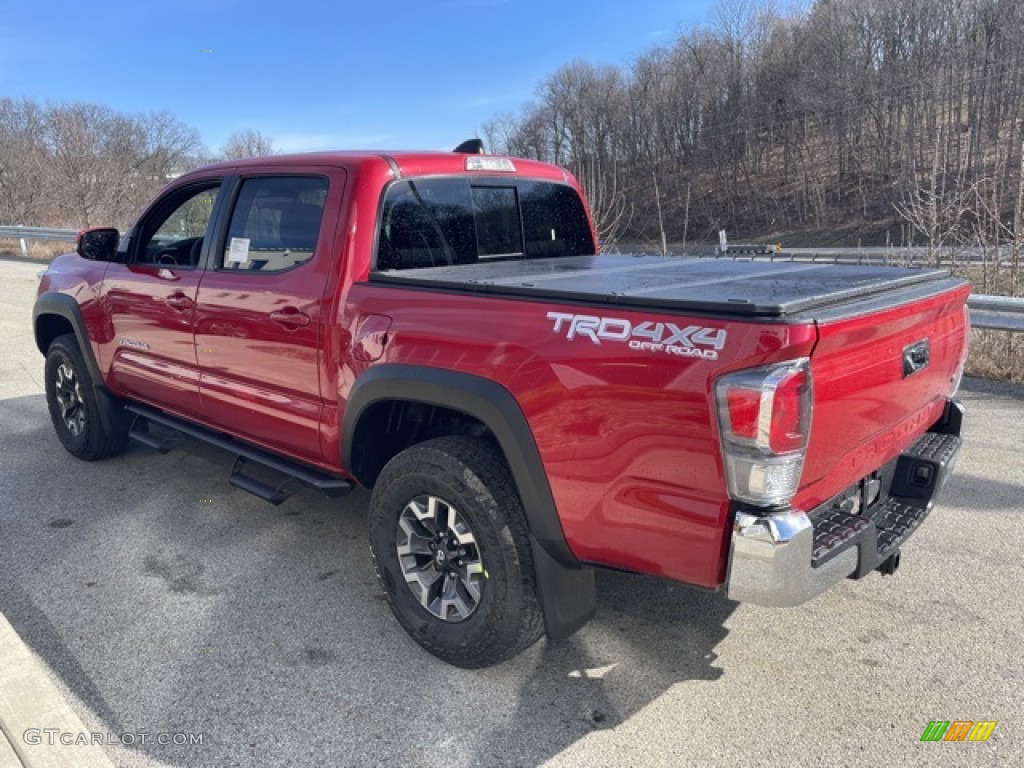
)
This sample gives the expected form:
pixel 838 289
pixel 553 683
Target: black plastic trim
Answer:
pixel 323 482
pixel 568 596
pixel 566 588
pixel 470 147
pixel 65 306
pixel 491 404
pixel 952 420
pixel 622 280
pixel 911 483
pixel 395 170
pixel 62 305
pixel 217 226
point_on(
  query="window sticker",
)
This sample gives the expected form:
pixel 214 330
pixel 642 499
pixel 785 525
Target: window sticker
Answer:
pixel 238 252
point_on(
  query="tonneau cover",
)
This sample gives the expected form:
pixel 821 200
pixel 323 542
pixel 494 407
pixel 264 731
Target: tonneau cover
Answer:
pixel 756 289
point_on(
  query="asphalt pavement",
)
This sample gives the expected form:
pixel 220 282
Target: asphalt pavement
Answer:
pixel 186 623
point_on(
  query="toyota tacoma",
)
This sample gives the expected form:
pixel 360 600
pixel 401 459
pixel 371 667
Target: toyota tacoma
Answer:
pixel 442 329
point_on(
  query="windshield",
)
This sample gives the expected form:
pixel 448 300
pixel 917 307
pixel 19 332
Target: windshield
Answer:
pixel 446 221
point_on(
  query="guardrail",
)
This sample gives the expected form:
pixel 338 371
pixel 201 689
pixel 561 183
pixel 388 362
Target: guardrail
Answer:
pixel 24 234
pixel 999 313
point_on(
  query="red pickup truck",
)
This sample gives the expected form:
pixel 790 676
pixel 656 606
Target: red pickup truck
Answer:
pixel 439 327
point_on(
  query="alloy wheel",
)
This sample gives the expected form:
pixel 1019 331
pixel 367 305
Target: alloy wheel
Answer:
pixel 69 398
pixel 439 558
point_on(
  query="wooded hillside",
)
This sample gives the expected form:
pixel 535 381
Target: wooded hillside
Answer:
pixel 842 116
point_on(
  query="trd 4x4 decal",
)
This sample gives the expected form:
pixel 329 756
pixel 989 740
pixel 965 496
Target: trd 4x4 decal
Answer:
pixel 690 341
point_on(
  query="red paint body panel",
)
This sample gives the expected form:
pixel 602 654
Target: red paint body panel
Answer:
pixel 82 280
pixel 163 369
pixel 860 393
pixel 260 377
pixel 628 438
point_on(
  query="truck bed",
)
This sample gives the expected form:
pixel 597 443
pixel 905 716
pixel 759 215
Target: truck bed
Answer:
pixel 736 288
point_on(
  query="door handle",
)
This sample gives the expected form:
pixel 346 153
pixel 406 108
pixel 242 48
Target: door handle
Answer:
pixel 290 317
pixel 179 301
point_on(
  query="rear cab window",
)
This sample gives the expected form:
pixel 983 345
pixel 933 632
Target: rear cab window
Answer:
pixel 436 222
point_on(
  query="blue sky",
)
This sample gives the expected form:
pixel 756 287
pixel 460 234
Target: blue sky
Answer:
pixel 320 75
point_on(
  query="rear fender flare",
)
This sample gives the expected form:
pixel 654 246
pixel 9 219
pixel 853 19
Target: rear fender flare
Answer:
pixel 566 588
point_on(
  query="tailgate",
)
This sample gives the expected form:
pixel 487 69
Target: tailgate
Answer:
pixel 880 380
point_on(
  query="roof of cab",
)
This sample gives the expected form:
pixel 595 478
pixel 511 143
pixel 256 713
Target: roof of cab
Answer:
pixel 410 163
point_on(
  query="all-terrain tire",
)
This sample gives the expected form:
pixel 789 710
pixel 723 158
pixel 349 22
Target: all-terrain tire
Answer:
pixel 74 406
pixel 469 476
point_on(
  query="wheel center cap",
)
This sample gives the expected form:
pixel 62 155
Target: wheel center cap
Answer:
pixel 440 557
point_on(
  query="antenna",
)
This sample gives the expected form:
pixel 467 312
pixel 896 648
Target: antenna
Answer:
pixel 470 147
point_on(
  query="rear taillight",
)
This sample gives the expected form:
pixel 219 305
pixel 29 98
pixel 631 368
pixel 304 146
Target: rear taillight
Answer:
pixel 765 419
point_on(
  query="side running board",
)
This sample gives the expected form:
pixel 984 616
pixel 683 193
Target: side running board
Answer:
pixel 291 475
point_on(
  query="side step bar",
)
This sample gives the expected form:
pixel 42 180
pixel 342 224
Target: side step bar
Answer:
pixel 139 432
pixel 294 473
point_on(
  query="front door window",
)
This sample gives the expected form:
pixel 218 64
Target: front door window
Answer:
pixel 173 234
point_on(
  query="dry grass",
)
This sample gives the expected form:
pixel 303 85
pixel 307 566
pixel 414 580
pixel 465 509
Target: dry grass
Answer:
pixel 37 249
pixel 996 355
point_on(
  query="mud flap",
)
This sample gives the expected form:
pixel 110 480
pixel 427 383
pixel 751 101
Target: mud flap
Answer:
pixel 113 416
pixel 568 596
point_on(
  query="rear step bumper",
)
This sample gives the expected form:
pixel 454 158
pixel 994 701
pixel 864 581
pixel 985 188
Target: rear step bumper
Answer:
pixel 787 557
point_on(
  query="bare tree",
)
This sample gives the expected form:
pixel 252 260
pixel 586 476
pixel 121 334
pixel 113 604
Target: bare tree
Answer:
pixel 498 132
pixel 997 228
pixel 169 148
pixel 22 160
pixel 937 206
pixel 609 205
pixel 861 113
pixel 85 162
pixel 247 143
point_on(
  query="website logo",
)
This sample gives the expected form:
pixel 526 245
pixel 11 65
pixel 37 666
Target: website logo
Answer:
pixel 958 730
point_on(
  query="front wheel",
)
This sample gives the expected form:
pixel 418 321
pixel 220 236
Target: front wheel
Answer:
pixel 74 407
pixel 451 549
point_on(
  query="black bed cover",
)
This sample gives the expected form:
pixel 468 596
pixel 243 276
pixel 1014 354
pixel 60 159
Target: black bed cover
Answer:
pixel 719 286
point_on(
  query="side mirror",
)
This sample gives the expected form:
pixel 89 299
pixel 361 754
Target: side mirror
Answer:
pixel 98 244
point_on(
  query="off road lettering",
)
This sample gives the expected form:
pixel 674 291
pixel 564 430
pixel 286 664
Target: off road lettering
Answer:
pixel 667 338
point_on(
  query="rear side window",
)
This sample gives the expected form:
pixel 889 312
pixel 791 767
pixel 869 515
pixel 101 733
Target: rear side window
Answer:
pixel 275 224
pixel 449 221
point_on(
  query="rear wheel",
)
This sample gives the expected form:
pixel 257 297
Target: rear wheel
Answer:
pixel 74 406
pixel 451 549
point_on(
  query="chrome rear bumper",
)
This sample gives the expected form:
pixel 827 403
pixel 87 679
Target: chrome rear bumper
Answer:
pixel 786 557
pixel 770 560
